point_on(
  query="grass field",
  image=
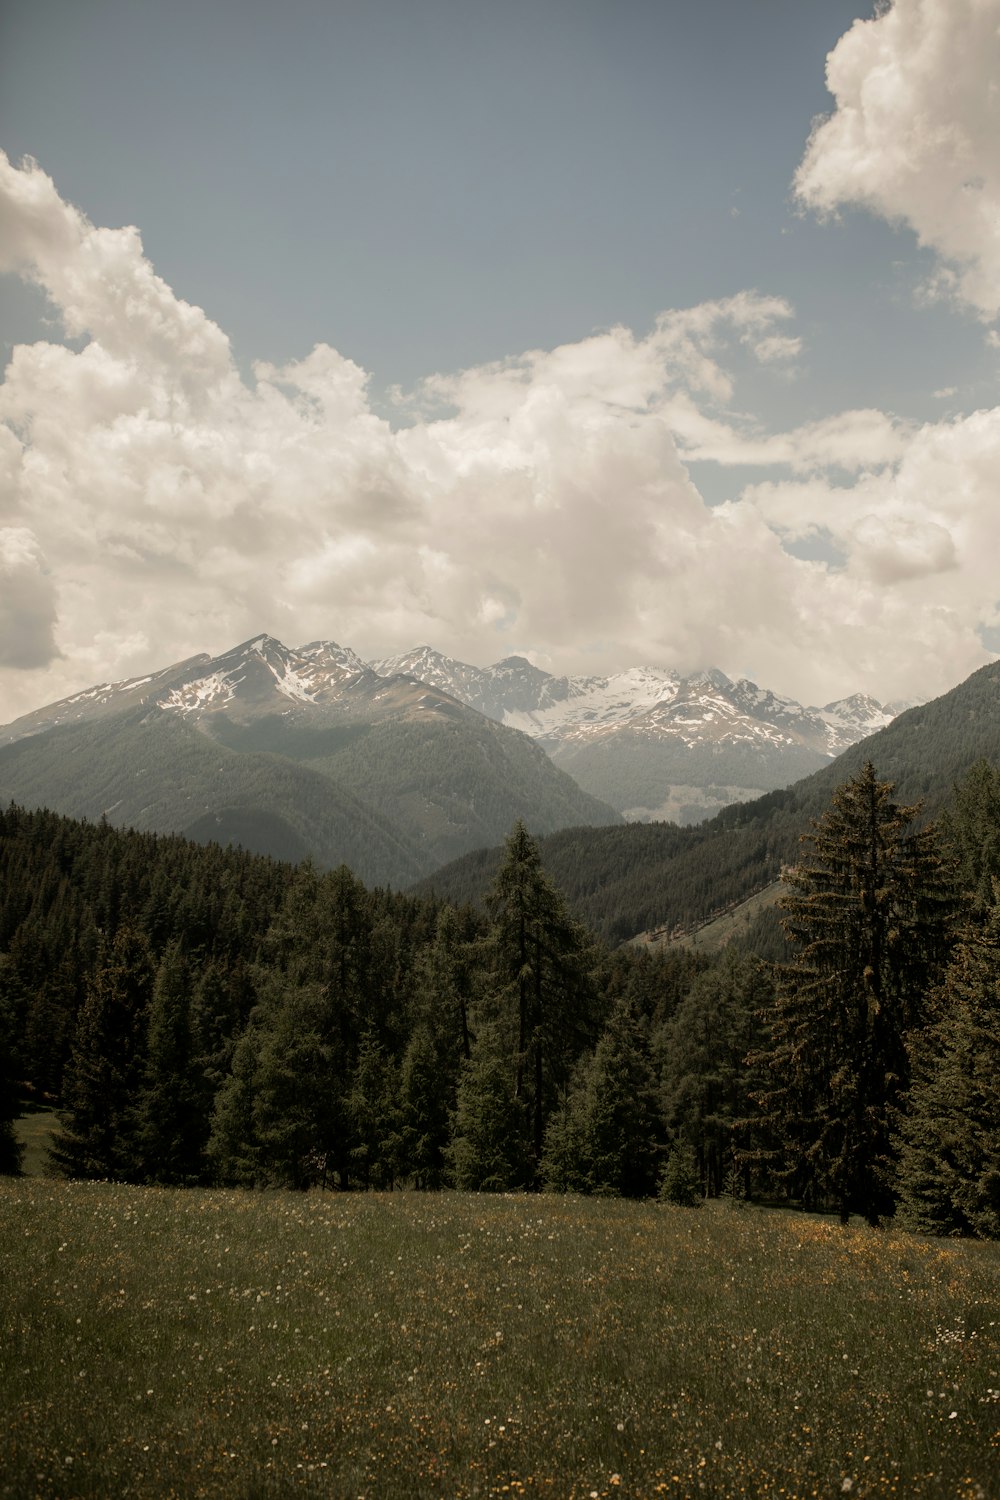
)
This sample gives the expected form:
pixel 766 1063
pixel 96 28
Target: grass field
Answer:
pixel 713 936
pixel 160 1343
pixel 35 1132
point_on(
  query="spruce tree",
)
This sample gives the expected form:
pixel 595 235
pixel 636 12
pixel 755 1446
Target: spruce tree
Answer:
pixel 607 1135
pixel 681 1181
pixel 566 1163
pixel 427 1101
pixel 950 1133
pixel 971 831
pixel 489 1149
pixel 702 1052
pixel 623 1122
pixel 870 909
pixel 375 1114
pixel 301 1122
pixel 100 1134
pixel 233 1149
pixel 11 1150
pixel 541 979
pixel 174 1105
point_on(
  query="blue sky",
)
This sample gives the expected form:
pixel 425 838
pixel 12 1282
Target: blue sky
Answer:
pixel 435 188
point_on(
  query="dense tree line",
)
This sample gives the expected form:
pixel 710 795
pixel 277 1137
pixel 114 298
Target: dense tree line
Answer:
pixel 203 1015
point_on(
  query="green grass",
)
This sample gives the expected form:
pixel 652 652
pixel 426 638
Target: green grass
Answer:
pixel 159 1343
pixel 36 1132
pixel 713 936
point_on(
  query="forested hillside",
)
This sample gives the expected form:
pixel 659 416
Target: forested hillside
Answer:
pixel 145 979
pixel 622 881
pixel 205 1016
pixel 155 772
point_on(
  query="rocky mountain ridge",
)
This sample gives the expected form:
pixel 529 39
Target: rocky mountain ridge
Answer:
pixel 655 743
pixel 649 742
pixel 549 708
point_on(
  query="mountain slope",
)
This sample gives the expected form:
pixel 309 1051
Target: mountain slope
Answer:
pixel 150 770
pixel 626 880
pixel 649 742
pixel 292 753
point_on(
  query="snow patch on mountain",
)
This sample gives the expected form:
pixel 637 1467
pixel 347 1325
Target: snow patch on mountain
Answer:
pixel 704 708
pixel 215 688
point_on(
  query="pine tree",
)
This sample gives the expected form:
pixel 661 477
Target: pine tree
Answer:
pixel 624 1126
pixel 301 1121
pixel 607 1135
pixel 428 1098
pixel 971 830
pixel 99 1137
pixel 704 1075
pixel 376 1118
pixel 489 1151
pixel 950 1133
pixel 871 911
pixel 233 1149
pixel 541 977
pixel 566 1159
pixel 11 1150
pixel 439 1040
pixel 173 1108
pixel 680 1181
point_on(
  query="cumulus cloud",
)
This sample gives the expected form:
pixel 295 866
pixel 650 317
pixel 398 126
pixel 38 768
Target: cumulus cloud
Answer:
pixel 154 504
pixel 27 602
pixel 914 135
pixel 918 542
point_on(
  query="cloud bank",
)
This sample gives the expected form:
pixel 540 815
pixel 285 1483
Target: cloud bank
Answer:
pixel 153 503
pixel 915 134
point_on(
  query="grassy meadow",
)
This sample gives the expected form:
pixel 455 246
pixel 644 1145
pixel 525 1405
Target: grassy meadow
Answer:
pixel 193 1343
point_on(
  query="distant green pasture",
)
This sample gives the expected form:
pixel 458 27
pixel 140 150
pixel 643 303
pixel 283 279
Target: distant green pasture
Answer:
pixel 187 1343
pixel 35 1132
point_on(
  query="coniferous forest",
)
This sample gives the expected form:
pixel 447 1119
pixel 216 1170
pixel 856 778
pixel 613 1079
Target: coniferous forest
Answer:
pixel 205 1016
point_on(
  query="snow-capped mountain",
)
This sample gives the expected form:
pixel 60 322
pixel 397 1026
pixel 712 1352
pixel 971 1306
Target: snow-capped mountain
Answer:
pixel 703 707
pixel 257 675
pixel 649 741
pixel 510 688
pixel 293 753
pixel 260 677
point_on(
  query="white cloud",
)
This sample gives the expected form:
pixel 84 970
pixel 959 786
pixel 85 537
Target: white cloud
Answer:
pixel 776 348
pixel 27 602
pixel 914 135
pixel 155 505
pixel 851 440
pixel 918 542
pixel 100 280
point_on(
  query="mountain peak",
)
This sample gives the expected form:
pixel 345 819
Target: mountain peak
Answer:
pixel 516 663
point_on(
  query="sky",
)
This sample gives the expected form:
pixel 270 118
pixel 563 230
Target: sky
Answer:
pixel 601 333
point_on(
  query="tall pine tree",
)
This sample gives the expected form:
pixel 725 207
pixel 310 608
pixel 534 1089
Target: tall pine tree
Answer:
pixel 106 1071
pixel 541 979
pixel 870 909
pixel 173 1108
pixel 950 1133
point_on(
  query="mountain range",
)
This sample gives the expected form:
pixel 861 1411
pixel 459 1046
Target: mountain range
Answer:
pixel 655 744
pixel 292 753
pixel 627 880
pixel 401 765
